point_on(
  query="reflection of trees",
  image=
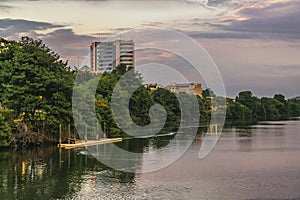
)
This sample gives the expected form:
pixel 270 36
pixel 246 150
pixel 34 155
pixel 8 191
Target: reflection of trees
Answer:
pixel 238 123
pixel 160 142
pixel 245 132
pixel 39 173
pixel 134 145
pixel 139 145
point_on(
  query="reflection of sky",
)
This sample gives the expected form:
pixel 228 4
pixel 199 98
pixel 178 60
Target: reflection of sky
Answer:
pixel 254 43
pixel 260 165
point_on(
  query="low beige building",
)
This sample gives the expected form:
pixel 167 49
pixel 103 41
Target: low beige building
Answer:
pixel 189 88
pixel 152 86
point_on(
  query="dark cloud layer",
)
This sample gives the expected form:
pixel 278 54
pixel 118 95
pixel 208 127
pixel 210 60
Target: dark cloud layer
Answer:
pixel 5 7
pixel 279 20
pixel 61 39
pixel 26 24
pixel 224 35
pixel 11 28
pixel 67 43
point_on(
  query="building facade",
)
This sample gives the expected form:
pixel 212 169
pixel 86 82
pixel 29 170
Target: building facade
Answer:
pixel 106 56
pixel 153 86
pixel 189 88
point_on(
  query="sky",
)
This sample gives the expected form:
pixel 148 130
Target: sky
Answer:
pixel 254 43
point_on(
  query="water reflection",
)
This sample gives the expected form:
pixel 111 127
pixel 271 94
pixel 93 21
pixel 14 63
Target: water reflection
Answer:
pixel 46 173
pixel 245 145
pixel 254 162
pixel 144 155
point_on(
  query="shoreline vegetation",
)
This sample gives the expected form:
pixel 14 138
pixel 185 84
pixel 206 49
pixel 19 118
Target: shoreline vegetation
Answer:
pixel 36 99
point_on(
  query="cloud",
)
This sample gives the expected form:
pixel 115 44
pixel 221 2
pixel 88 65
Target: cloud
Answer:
pixel 63 40
pixel 152 24
pixel 196 2
pixel 223 35
pixel 5 7
pixel 279 20
pixel 14 28
pixel 228 4
pixel 69 45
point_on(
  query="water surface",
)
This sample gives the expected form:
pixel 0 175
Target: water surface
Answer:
pixel 254 162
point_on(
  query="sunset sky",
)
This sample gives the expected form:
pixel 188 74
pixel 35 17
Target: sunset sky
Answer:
pixel 255 43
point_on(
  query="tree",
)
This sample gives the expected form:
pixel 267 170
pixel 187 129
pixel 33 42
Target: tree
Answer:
pixel 169 101
pixel 5 130
pixel 238 111
pixel 282 107
pixel 36 84
pixel 208 93
pixel 294 107
pixel 204 113
pixel 270 106
pixel 253 103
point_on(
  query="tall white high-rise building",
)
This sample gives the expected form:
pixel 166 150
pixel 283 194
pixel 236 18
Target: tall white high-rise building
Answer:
pixel 106 56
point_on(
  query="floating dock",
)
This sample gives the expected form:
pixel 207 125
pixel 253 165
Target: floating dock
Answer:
pixel 89 143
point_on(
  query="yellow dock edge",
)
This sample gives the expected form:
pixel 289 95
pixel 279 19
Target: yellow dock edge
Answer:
pixel 90 143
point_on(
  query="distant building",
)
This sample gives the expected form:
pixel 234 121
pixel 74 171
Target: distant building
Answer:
pixel 152 86
pixel 106 56
pixel 189 88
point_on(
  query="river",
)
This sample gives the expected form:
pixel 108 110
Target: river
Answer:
pixel 253 162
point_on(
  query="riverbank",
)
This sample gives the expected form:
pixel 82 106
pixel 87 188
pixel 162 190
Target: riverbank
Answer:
pixel 32 139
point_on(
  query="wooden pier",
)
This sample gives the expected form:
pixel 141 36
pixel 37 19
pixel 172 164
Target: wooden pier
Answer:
pixel 89 143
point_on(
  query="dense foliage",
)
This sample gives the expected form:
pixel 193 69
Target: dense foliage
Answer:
pixel 35 85
pixel 247 107
pixel 5 129
pixel 140 104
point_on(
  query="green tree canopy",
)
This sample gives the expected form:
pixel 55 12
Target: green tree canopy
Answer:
pixel 34 81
